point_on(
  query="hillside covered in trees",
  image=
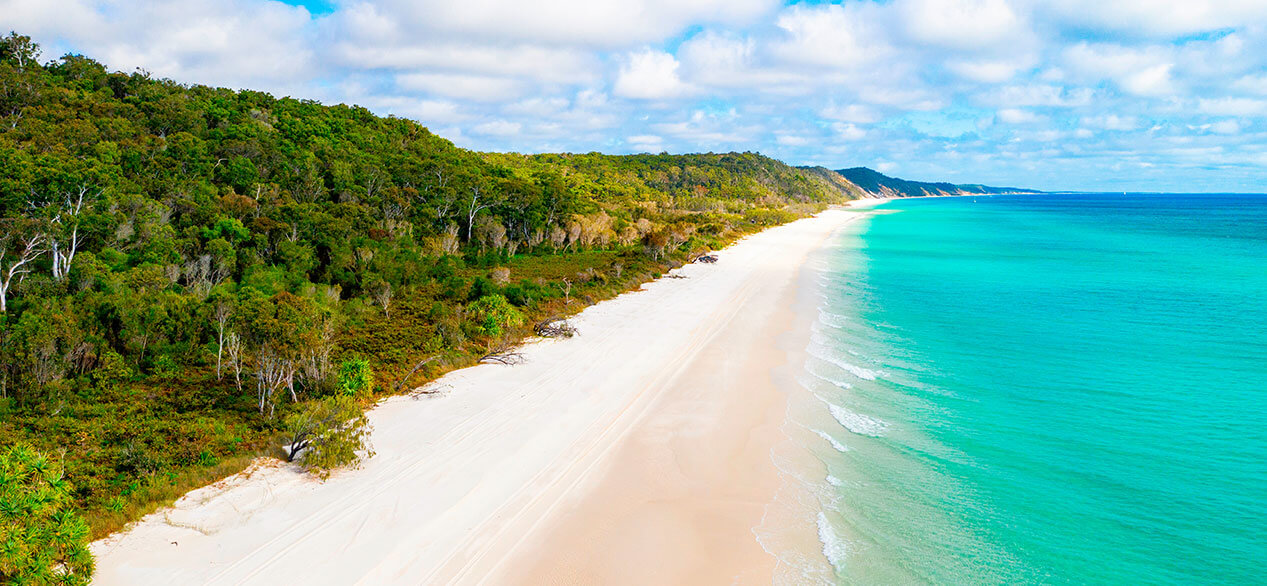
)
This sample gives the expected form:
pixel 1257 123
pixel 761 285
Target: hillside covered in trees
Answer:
pixel 185 270
pixel 877 184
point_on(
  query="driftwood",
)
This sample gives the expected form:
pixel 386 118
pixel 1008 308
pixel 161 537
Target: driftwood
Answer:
pixel 429 390
pixel 675 276
pixel 507 354
pixel 554 327
pixel 401 383
pixel 706 258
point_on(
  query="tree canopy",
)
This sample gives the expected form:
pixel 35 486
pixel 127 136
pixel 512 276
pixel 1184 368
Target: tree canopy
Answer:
pixel 183 267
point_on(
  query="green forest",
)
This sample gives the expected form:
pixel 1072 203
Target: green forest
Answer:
pixel 187 272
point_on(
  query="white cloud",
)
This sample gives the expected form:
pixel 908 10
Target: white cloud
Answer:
pixel 544 64
pixel 1111 122
pixel 470 87
pixel 426 111
pixel 918 99
pixel 538 106
pixel 859 113
pixel 1151 81
pixel 1252 83
pixel 1010 79
pixel 236 43
pixel 1233 106
pixel 498 128
pixel 847 37
pixel 650 75
pixel 1228 126
pixel 606 24
pixel 1140 71
pixel 1153 18
pixel 791 140
pixel 646 142
pixel 961 24
pixel 849 131
pixel 1019 116
pixel 727 61
pixel 712 130
pixel 1016 96
pixel 989 70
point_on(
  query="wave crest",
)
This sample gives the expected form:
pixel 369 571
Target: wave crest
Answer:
pixel 857 422
pixel 842 448
pixel 834 548
pixel 823 353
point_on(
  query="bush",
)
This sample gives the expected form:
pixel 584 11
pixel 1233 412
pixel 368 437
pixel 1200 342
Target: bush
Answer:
pixel 42 539
pixel 500 275
pixel 493 314
pixel 328 433
pixel 480 288
pixel 355 378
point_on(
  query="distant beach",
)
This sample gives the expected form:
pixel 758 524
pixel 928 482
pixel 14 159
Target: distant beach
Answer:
pixel 637 452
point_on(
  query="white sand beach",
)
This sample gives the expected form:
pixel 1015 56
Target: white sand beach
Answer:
pixel 637 452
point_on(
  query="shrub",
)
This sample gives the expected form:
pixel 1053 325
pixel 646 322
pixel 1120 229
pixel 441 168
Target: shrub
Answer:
pixel 493 314
pixel 501 275
pixel 328 433
pixel 42 539
pixel 355 377
pixel 480 288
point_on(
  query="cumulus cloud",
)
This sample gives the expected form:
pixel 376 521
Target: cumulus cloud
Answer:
pixel 650 75
pixel 469 87
pixel 1011 91
pixel 1019 116
pixel 498 128
pixel 1233 106
pixel 237 43
pixel 1152 19
pixel 1140 71
pixel 961 24
pixel 1036 94
pixel 1111 122
pixel 844 37
pixel 860 113
pixel 609 24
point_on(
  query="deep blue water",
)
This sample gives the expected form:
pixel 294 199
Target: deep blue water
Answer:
pixel 1045 389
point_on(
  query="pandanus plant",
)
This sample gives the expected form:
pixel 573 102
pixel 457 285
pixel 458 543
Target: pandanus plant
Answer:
pixel 42 539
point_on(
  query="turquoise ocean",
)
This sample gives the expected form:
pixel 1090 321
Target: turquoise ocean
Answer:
pixel 1067 388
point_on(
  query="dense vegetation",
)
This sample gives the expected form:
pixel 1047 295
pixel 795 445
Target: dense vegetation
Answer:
pixel 878 184
pixel 42 540
pixel 192 276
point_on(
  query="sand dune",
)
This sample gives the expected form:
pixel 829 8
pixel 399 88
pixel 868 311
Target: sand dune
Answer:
pixel 658 419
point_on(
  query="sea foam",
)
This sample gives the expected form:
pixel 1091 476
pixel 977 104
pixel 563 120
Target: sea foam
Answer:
pixel 857 422
pixel 821 352
pixel 833 320
pixel 834 548
pixel 842 448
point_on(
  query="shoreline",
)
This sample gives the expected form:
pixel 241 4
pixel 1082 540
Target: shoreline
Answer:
pixel 682 500
pixel 461 481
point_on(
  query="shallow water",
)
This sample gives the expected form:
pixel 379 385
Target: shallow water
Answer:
pixel 1066 388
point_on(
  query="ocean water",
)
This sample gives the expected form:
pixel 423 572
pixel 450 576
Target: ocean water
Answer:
pixel 1050 389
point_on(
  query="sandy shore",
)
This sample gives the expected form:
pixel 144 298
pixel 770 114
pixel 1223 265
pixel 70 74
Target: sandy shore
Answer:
pixel 638 452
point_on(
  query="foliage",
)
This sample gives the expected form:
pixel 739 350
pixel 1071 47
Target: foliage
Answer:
pixel 494 314
pixel 42 539
pixel 200 261
pixel 328 433
pixel 356 378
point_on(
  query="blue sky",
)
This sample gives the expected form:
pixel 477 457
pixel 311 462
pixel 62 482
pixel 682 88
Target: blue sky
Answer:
pixel 1077 94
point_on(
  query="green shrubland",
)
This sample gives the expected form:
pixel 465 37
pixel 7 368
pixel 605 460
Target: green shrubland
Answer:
pixel 192 276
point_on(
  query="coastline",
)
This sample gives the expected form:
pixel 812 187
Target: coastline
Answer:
pixel 682 499
pixel 467 486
